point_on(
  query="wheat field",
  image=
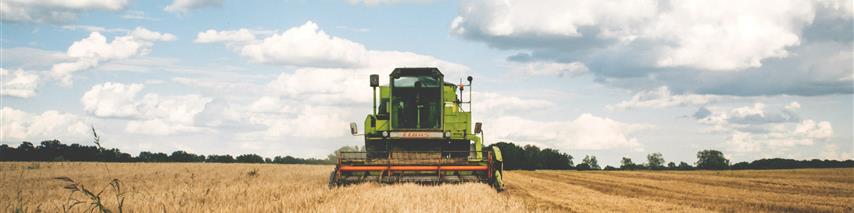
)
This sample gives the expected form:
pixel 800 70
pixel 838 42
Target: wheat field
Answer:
pixel 210 187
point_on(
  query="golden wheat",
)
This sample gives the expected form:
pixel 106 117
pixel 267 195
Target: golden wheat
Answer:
pixel 197 187
pixel 211 187
pixel 806 190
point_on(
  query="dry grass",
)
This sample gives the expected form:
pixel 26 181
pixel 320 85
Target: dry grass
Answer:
pixel 178 187
pixel 805 190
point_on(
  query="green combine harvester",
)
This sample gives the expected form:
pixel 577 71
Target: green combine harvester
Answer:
pixel 419 133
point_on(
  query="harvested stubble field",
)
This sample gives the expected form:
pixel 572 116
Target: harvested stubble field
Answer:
pixel 196 187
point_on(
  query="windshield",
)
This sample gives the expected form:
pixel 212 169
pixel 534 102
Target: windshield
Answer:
pixel 412 81
pixel 416 102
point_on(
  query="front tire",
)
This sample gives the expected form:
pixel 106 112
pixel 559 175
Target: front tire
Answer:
pixel 332 181
pixel 498 183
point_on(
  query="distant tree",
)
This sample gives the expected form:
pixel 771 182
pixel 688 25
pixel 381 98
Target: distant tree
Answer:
pixel 50 151
pixel 285 160
pixel 589 162
pixel 513 156
pixel 250 158
pixel 220 159
pixel 293 160
pixel 152 157
pixel 182 156
pixel 655 161
pixel 26 151
pixel 531 157
pixel 684 166
pixel 740 166
pixel 553 159
pixel 711 159
pixel 609 167
pixel 268 160
pixel 7 153
pixel 627 164
pixel 671 166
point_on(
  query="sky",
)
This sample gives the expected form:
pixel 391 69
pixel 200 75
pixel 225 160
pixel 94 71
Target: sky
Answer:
pixel 613 79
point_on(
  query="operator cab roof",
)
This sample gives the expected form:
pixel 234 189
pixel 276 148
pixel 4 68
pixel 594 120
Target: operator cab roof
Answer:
pixel 419 71
pixel 416 71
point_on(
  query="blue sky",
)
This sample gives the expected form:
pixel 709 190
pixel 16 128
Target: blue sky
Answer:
pixel 611 79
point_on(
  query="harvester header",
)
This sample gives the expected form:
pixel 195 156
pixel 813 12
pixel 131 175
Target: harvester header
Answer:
pixel 418 132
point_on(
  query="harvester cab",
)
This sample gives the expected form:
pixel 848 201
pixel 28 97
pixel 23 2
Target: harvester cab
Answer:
pixel 419 132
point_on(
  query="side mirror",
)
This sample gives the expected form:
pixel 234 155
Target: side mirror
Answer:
pixel 354 130
pixel 478 128
pixel 375 80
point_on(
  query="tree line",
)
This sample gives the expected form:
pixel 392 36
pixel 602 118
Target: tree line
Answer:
pixel 530 157
pixel 527 157
pixel 54 150
pixel 715 160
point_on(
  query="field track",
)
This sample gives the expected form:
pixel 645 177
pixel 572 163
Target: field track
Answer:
pixel 808 190
pixel 196 187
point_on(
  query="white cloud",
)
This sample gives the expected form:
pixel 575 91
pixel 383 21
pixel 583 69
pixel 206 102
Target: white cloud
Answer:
pixel 31 58
pixel 142 34
pixel 838 8
pixel 793 106
pixel 730 35
pixel 322 86
pixel 306 45
pixel 551 68
pixel 268 104
pixel 661 98
pixel 237 36
pixel 814 130
pixel 91 28
pixel 305 121
pixel 53 11
pixel 182 6
pixel 496 104
pixel 320 92
pixel 587 132
pixel 335 85
pixel 112 100
pixel 18 83
pixel 757 114
pixel 780 136
pixel 159 127
pixel 180 109
pixel 706 35
pixel 832 152
pixel 753 129
pixel 136 15
pixel 162 114
pixel 23 126
pixel 90 51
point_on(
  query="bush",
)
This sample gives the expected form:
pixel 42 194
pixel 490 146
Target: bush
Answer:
pixel 250 158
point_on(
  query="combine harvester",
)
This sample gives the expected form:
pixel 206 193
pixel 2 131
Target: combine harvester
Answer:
pixel 419 133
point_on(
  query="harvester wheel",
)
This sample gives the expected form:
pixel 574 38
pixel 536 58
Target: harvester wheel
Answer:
pixel 499 183
pixel 332 182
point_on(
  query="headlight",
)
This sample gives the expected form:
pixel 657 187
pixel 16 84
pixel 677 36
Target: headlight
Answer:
pixel 386 133
pixel 447 134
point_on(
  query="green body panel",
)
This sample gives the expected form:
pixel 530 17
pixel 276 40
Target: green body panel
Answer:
pixel 497 152
pixel 418 120
pixel 454 119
